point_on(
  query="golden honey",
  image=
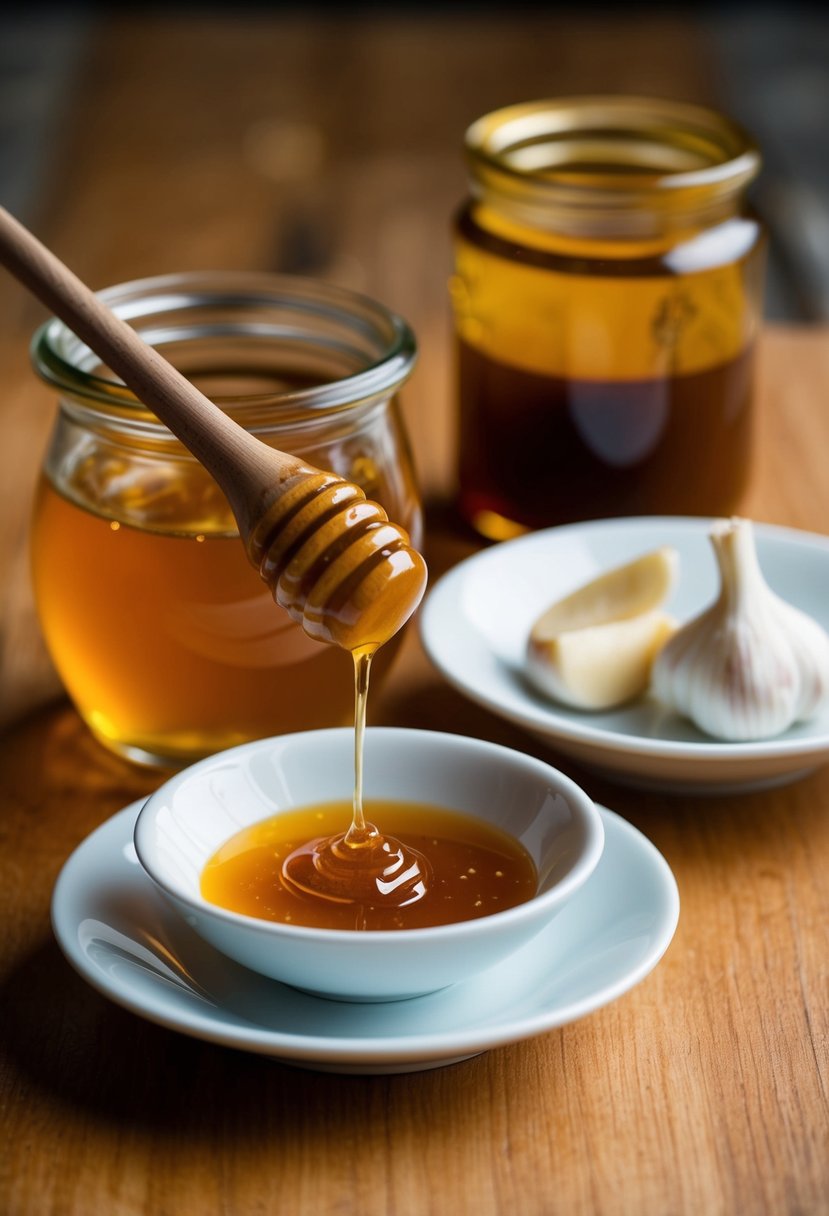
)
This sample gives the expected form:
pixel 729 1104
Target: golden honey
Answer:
pixel 170 643
pixel 476 869
pixel 166 638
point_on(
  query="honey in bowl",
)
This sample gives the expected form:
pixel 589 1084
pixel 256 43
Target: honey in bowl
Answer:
pixel 472 869
pixel 429 866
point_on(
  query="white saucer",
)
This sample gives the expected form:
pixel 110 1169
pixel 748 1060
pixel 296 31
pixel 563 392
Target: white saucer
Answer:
pixel 475 622
pixel 125 940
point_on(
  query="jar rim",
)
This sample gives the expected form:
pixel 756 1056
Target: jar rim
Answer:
pixel 675 160
pixel 361 327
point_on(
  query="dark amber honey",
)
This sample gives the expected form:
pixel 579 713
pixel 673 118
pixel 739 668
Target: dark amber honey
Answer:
pixel 607 297
pixel 541 450
pixel 475 869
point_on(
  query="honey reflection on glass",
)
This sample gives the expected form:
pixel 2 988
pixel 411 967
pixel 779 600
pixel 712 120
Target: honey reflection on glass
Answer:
pixel 169 643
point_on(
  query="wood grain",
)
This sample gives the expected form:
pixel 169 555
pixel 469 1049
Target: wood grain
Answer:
pixel 704 1090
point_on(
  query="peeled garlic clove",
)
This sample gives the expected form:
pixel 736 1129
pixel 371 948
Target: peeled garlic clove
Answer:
pixel 619 594
pixel 593 649
pixel 601 666
pixel 750 665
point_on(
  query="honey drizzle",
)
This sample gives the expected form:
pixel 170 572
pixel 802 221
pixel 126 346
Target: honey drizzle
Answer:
pixel 361 866
pixel 477 869
pixel 362 671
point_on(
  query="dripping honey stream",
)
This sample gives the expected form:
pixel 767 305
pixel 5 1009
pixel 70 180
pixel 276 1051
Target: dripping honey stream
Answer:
pixel 361 866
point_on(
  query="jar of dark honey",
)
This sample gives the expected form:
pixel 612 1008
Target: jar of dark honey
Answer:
pixel 166 638
pixel 607 298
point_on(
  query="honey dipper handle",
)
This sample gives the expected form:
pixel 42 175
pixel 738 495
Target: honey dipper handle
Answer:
pixel 248 471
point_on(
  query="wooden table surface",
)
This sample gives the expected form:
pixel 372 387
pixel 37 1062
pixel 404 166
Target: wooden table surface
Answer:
pixel 701 1091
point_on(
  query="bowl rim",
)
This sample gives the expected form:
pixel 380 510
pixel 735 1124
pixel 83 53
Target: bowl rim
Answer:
pixel 582 867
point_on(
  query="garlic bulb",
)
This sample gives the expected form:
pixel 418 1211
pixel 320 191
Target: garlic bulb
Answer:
pixel 750 665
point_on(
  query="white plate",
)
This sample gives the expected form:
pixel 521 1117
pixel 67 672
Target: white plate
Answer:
pixel 475 622
pixel 127 942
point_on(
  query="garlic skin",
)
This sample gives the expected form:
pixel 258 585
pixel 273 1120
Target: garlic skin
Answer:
pixel 750 665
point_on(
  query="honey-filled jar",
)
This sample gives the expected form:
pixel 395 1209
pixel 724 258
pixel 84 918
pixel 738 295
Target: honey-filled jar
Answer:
pixel 607 297
pixel 166 638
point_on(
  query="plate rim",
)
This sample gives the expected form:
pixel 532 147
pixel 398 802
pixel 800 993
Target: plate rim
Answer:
pixel 555 725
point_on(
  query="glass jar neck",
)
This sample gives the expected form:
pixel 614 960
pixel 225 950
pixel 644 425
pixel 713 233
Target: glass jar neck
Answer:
pixel 275 352
pixel 610 168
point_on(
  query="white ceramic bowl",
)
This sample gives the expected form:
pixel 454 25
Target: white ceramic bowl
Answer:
pixel 186 820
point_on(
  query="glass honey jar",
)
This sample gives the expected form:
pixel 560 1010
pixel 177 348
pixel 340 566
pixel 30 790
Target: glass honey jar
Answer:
pixel 607 297
pixel 166 639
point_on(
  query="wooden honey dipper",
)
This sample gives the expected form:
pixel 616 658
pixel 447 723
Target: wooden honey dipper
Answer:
pixel 331 557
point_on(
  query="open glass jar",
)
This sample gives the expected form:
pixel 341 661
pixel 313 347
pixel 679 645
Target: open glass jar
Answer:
pixel 166 638
pixel 607 297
